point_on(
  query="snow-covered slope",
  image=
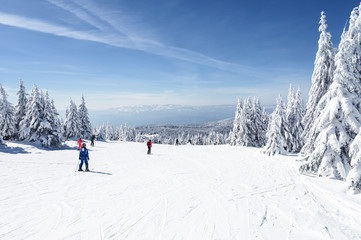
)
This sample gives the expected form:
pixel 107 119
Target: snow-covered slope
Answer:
pixel 178 192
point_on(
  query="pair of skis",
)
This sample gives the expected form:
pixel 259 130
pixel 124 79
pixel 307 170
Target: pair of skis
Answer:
pixel 77 167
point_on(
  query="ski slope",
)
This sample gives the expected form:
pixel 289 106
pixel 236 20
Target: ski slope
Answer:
pixel 178 192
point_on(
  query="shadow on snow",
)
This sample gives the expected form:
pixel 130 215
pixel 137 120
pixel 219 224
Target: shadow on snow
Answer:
pixel 104 173
pixel 37 145
pixel 13 150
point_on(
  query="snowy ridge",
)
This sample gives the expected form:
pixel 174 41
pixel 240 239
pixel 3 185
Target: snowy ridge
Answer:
pixel 178 192
pixel 143 115
pixel 200 134
pixel 223 126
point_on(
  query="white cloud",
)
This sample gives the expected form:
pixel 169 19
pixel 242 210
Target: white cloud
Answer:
pixel 44 27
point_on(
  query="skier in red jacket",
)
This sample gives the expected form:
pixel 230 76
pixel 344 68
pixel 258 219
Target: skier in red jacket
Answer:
pixel 149 144
pixel 80 142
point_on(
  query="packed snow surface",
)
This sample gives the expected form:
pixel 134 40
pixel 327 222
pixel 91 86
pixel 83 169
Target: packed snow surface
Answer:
pixel 178 192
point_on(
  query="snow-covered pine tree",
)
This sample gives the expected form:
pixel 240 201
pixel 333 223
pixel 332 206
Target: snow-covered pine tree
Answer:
pixel 290 117
pixel 298 127
pixel 100 132
pixel 246 133
pixel 353 179
pixel 131 134
pixel 138 137
pixel 211 138
pixel 7 116
pixel 322 78
pixel 85 125
pixel 57 122
pixel 71 125
pixel 265 120
pixel 200 139
pixel 339 120
pixel 294 115
pixel 50 129
pixel 277 132
pixel 126 133
pixel 30 124
pixel 20 111
pixel 122 133
pixel 109 132
pixel 234 135
pixel 258 127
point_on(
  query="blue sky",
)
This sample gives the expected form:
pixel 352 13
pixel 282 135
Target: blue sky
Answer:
pixel 189 52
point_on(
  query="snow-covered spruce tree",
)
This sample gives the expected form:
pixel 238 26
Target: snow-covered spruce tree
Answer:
pixel 245 134
pixel 20 111
pixel 298 127
pixel 50 129
pixel 339 120
pixel 30 124
pixel 322 78
pixel 277 131
pixel 354 177
pixel 126 133
pixel 85 125
pixel 71 127
pixel 265 120
pixel 122 133
pixel 294 115
pixel 131 134
pixel 234 135
pixel 7 112
pixel 109 132
pixel 290 117
pixel 248 125
pixel 258 127
pixel 100 132
pixel 211 138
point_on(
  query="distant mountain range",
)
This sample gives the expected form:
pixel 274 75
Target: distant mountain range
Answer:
pixel 149 115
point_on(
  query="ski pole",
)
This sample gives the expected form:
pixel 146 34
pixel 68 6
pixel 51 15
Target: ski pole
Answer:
pixel 77 165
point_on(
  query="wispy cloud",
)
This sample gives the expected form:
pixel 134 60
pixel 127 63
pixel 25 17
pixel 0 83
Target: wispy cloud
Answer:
pixel 44 27
pixel 115 29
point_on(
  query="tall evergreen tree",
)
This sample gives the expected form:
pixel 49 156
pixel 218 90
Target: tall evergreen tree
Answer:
pixel 353 178
pixel 246 136
pixel 339 120
pixel 85 125
pixel 249 128
pixel 265 120
pixel 234 135
pixel 21 106
pixel 277 132
pixel 298 127
pixel 71 127
pixel 294 114
pixel 109 132
pixel 100 132
pixel 50 128
pixel 259 128
pixel 30 124
pixel 322 78
pixel 7 116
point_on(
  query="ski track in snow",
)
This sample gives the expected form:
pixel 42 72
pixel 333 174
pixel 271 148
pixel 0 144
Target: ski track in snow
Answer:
pixel 179 192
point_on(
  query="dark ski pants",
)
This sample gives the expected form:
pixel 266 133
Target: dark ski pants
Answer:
pixel 83 161
pixel 148 150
